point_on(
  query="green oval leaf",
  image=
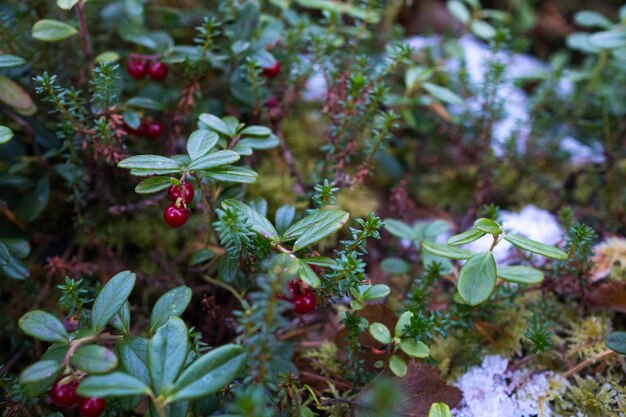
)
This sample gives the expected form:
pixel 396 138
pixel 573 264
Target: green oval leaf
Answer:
pixel 380 332
pixel 467 236
pixel 258 223
pixel 210 373
pixel 66 4
pixel 477 278
pixel 447 251
pixel 167 352
pixel 154 163
pixel 488 226
pixel 214 159
pixel 414 349
pixel 5 134
pixel 398 365
pixel 52 30
pixel 520 274
pixel 200 143
pixel 111 299
pixel 133 354
pixel 215 124
pixel 394 265
pixel 307 275
pixel 315 227
pixel 116 384
pixel 43 326
pixel 172 303
pixel 439 410
pixel 153 185
pixel 7 61
pixel 256 131
pixel 536 247
pixel 617 341
pixel 145 103
pixel 12 94
pixel 94 359
pixel 231 174
pixel 375 292
pixel 442 94
pixel 403 320
pixel 41 371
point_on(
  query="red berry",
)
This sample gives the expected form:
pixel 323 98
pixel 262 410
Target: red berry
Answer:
pixel 137 68
pixel 175 216
pixel 142 130
pixel 272 102
pixel 64 395
pixel 271 72
pixel 157 71
pixel 154 130
pixel 91 407
pixel 304 302
pixel 174 192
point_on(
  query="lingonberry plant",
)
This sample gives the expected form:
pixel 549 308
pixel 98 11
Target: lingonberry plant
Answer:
pixel 299 170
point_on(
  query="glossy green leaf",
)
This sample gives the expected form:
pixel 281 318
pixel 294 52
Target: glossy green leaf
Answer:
pixel 617 341
pixel 521 274
pixel 200 143
pixel 414 349
pixel 111 299
pixel 6 134
pixel 153 185
pixel 488 226
pixel 608 39
pixel 400 229
pixel 398 365
pixel 121 321
pixel 167 352
pixel 94 359
pixel 210 373
pixel 215 124
pixel 8 61
pixel 43 326
pixel 52 30
pixel 307 275
pixel 214 159
pixel 447 251
pixel 458 9
pixel 258 223
pixel 107 56
pixel 133 354
pixel 231 174
pixel 154 164
pixel 284 217
pixel 483 29
pixel 465 237
pixel 403 320
pixel 255 131
pixel 380 332
pixel 376 292
pixel 42 371
pixel 315 227
pixel 477 278
pixel 395 266
pixel 14 95
pixel 591 19
pixel 536 247
pixel 172 303
pixel 116 384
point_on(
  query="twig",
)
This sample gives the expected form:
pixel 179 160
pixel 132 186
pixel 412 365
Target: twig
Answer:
pixel 84 34
pixel 600 356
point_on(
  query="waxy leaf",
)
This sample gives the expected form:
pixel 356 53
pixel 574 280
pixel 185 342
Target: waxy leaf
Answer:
pixel 215 124
pixel 167 352
pixel 172 303
pixel 200 143
pixel 447 251
pixel 617 341
pixel 213 160
pixel 111 299
pixel 520 274
pixel 439 409
pixel 121 321
pixel 133 354
pixel 467 236
pixel 8 61
pixel 231 174
pixel 210 373
pixel 536 247
pixel 43 326
pixel 488 226
pixel 403 320
pixel 52 30
pixel 414 349
pixel 398 365
pixel 66 4
pixel 315 227
pixel 380 332
pixel 153 185
pixel 38 377
pixel 94 359
pixel 150 164
pixel 116 384
pixel 5 134
pixel 477 278
pixel 307 275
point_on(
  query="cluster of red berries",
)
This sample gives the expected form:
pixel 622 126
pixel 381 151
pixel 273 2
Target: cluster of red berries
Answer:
pixel 302 297
pixel 65 396
pixel 176 214
pixel 138 68
pixel 149 129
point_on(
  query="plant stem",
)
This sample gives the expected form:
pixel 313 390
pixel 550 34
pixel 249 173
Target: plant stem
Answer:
pixel 84 34
pixel 600 356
